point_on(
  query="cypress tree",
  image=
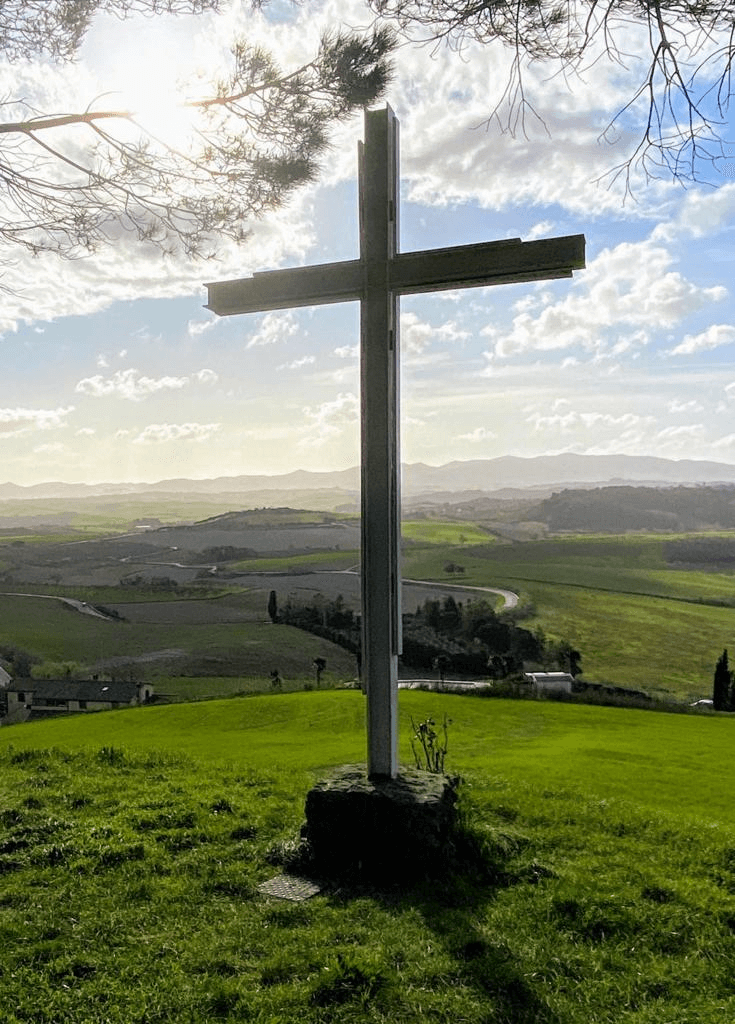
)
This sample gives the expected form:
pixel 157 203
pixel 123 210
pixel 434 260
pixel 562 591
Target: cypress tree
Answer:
pixel 722 685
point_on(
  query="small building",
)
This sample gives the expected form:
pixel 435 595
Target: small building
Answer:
pixel 556 682
pixel 29 699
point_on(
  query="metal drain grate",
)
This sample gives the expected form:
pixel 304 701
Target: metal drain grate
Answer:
pixel 289 887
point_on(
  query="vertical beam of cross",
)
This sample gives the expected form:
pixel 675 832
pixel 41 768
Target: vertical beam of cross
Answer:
pixel 377 279
pixel 380 447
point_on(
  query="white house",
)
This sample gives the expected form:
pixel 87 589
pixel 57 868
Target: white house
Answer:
pixel 558 682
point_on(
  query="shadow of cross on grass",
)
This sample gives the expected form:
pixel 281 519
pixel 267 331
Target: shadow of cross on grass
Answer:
pixel 452 906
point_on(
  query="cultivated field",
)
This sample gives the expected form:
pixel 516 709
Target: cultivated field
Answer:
pixel 639 620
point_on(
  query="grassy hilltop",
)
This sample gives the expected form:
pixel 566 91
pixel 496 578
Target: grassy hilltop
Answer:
pixel 132 844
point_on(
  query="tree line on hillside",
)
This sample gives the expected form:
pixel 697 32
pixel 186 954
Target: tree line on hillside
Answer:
pixel 468 638
pixel 614 509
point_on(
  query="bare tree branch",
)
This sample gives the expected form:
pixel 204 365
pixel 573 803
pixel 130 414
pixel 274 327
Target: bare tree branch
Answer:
pixel 685 86
pixel 72 179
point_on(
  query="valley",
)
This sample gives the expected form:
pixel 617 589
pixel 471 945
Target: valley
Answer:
pixel 183 601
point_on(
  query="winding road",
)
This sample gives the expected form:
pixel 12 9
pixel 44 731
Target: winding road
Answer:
pixel 79 606
pixel 84 608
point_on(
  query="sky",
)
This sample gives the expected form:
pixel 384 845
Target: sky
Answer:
pixel 114 371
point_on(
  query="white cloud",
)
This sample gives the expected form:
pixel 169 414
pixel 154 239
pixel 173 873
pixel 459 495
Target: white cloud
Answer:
pixel 630 285
pixel 347 351
pixel 328 420
pixel 540 230
pixel 197 327
pixel 132 386
pixel 566 422
pixel 274 327
pixel 713 337
pixel 21 421
pixel 51 288
pixel 157 433
pixel 691 406
pixel 477 435
pixel 441 99
pixel 532 300
pixel 700 213
pixel 54 448
pixel 417 336
pixel 453 155
pixel 693 430
pixel 297 364
pixel 86 432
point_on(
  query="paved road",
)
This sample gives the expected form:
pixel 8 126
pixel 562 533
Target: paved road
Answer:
pixel 511 599
pixel 314 581
pixel 79 606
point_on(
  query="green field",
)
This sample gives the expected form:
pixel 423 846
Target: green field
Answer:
pixel 431 531
pixel 223 636
pixel 297 563
pixel 132 844
pixel 637 622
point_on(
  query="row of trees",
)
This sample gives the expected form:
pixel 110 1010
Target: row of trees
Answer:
pixel 73 178
pixel 444 635
pixel 18 661
pixel 472 638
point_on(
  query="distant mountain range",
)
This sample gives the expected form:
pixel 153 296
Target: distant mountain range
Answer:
pixel 476 476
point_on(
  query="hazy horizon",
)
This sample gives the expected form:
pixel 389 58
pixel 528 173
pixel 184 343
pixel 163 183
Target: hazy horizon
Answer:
pixel 520 472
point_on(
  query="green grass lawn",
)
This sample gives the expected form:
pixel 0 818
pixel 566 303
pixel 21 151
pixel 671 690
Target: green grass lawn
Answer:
pixel 667 647
pixel 66 536
pixel 132 844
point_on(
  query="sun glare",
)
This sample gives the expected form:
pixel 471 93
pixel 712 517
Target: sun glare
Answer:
pixel 149 73
pixel 157 100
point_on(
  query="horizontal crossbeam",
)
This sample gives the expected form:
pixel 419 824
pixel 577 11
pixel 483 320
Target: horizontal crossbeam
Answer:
pixel 286 289
pixel 487 263
pixel 463 266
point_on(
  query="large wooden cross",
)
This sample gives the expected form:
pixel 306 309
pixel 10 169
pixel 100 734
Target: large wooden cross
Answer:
pixel 376 280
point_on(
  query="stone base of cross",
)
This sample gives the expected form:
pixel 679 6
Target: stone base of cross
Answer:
pixel 377 280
